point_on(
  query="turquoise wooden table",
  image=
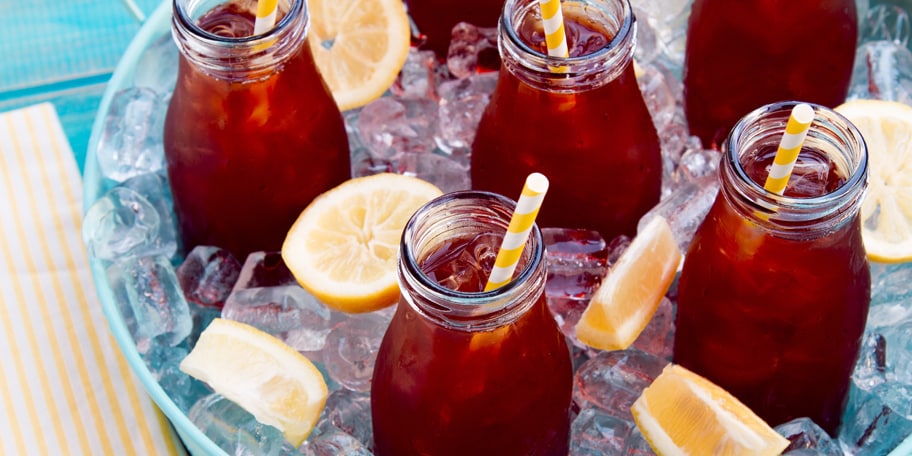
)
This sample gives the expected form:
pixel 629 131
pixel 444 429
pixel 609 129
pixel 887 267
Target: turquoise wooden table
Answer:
pixel 64 52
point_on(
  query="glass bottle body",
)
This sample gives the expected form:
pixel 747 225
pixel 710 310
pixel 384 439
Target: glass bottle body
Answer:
pixel 774 291
pixel 462 371
pixel 745 54
pixel 252 133
pixel 587 128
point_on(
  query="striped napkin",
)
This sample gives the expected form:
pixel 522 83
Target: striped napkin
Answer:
pixel 65 388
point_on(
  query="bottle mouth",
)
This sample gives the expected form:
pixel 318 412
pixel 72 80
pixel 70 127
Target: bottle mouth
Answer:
pixel 830 133
pixel 238 59
pixel 460 215
pixel 187 13
pixel 577 73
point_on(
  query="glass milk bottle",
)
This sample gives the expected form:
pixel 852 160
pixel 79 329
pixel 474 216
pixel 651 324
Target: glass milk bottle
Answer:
pixel 587 128
pixel 774 291
pixel 252 133
pixel 461 371
pixel 748 53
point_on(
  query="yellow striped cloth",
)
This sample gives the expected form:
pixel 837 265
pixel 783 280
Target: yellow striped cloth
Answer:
pixel 64 386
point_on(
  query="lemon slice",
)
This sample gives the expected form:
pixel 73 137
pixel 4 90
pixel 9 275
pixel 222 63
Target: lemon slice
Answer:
pixel 886 214
pixel 263 375
pixel 683 413
pixel 625 302
pixel 343 246
pixel 359 46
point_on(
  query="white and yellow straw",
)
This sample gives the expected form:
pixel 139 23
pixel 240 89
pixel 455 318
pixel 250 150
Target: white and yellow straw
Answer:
pixel 521 222
pixel 795 132
pixel 265 16
pixel 553 21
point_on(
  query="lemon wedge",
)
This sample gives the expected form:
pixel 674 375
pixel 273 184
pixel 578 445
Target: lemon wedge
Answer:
pixel 683 413
pixel 886 213
pixel 276 384
pixel 359 46
pixel 343 246
pixel 630 294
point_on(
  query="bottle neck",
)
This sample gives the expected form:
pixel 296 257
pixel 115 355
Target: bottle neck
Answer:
pixel 581 73
pixel 459 217
pixel 239 59
pixel 786 216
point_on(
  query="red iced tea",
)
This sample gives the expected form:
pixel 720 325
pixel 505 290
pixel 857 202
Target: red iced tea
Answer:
pixel 743 54
pixel 463 372
pixel 588 129
pixel 435 19
pixel 772 302
pixel 252 134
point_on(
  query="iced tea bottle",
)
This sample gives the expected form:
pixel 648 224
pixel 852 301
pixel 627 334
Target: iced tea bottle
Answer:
pixel 774 291
pixel 587 128
pixel 435 19
pixel 461 371
pixel 252 133
pixel 748 53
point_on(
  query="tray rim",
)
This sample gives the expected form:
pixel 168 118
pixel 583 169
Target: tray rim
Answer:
pixel 197 443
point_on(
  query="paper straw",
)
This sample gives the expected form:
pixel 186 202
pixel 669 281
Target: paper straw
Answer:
pixel 795 132
pixel 265 16
pixel 555 38
pixel 518 232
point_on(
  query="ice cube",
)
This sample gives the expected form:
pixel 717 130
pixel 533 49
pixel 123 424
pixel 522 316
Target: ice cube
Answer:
pixel 208 274
pixel 472 49
pixel 447 173
pixel 661 92
pixel 612 381
pixel 264 269
pixel 235 430
pixel 685 209
pixel 390 126
pixel 328 440
pixel 131 139
pixel 154 187
pixel 123 224
pixel 804 434
pixel 883 70
pixel 871 368
pixel 657 338
pixel 876 421
pixel 184 390
pixel 595 432
pixel 577 261
pixel 890 284
pixel 697 163
pixel 898 348
pixel 351 350
pixel 350 412
pixel 885 23
pixel 155 297
pixel 279 310
pixel 418 76
pixel 462 102
pixel 155 68
pixel 363 164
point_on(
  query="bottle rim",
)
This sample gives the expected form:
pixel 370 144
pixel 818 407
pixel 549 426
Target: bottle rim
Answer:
pixel 789 211
pixel 183 16
pixel 508 23
pixel 578 73
pixel 460 309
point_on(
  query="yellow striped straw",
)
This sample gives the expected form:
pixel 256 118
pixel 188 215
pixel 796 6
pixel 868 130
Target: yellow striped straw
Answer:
pixel 521 222
pixel 265 16
pixel 555 37
pixel 795 132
